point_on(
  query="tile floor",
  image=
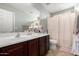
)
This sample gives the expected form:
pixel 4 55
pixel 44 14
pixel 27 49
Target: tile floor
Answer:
pixel 58 52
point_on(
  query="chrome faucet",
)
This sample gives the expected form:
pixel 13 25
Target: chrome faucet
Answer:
pixel 18 34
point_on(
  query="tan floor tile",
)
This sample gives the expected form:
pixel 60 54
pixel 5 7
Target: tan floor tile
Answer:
pixel 58 53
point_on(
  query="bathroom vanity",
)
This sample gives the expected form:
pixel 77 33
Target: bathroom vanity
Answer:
pixel 34 45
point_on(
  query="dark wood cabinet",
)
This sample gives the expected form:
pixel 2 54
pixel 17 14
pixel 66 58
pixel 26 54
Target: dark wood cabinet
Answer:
pixel 47 44
pixel 16 51
pixel 42 46
pixel 13 50
pixel 25 48
pixel 35 47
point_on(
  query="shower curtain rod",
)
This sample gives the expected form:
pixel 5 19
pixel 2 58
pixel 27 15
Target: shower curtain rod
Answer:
pixel 62 11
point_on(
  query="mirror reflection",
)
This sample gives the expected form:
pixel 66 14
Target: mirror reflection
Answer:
pixel 22 17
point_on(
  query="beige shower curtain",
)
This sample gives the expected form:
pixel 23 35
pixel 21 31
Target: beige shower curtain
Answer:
pixel 60 28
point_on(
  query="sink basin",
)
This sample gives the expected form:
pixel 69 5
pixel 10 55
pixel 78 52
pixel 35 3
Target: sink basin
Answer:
pixel 24 35
pixel 10 37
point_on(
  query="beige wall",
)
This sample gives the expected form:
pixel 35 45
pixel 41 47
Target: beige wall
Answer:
pixel 53 27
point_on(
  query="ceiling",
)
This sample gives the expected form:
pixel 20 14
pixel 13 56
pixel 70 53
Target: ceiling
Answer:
pixel 47 8
pixel 41 8
pixel 55 7
pixel 26 7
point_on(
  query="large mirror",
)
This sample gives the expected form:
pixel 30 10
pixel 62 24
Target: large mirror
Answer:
pixel 20 17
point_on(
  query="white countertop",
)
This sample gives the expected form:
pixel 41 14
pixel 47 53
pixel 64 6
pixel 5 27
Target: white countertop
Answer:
pixel 9 41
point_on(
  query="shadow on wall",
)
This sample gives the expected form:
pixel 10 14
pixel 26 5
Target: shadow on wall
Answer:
pixel 44 24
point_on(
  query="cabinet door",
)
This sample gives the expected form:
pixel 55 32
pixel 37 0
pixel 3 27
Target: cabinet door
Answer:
pixel 42 46
pixel 25 48
pixel 33 47
pixel 18 51
pixel 13 50
pixel 46 44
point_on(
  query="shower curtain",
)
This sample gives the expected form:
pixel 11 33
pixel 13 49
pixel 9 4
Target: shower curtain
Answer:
pixel 60 28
